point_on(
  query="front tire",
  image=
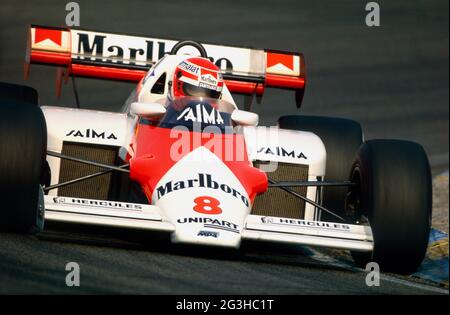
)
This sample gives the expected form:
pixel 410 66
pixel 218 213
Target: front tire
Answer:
pixel 394 193
pixel 16 92
pixel 23 145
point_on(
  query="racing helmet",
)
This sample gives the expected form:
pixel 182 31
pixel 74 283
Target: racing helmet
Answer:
pixel 197 77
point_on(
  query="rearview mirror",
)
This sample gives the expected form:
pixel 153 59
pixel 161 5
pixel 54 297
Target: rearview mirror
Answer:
pixel 244 118
pixel 147 109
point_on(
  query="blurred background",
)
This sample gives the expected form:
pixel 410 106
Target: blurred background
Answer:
pixel 393 79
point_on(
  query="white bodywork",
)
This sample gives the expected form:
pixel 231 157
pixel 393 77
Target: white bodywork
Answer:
pixel 272 144
pixel 168 212
pixel 85 126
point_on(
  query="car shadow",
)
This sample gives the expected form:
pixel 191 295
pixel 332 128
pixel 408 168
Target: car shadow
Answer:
pixel 250 251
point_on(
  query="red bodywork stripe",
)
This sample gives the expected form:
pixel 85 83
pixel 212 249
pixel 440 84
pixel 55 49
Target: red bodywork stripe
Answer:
pixel 60 59
pixel 285 82
pixel 244 87
pixel 152 160
pixel 108 73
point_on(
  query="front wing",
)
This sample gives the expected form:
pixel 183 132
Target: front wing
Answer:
pixel 257 228
pixel 306 232
pixel 105 213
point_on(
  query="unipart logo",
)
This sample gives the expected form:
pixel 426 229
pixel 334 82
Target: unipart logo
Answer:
pixel 202 181
pixel 211 223
pixel 91 134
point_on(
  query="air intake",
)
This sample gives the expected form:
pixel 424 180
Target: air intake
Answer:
pixel 96 188
pixel 277 202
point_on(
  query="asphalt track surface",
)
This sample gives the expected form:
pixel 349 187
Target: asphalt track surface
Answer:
pixel 393 79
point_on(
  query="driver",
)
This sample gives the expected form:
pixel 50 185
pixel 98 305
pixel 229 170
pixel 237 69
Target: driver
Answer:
pixel 197 77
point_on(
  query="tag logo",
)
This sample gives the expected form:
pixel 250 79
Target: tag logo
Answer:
pixel 208 234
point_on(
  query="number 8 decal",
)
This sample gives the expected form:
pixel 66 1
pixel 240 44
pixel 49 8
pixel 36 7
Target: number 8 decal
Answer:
pixel 207 205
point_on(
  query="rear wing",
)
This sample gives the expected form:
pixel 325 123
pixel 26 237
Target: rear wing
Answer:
pixel 112 56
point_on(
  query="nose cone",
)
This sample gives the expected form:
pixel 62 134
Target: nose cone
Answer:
pixel 204 199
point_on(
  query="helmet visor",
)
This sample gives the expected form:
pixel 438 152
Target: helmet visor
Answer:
pixel 192 90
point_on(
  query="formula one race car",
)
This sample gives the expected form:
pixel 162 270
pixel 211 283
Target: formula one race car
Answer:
pixel 181 158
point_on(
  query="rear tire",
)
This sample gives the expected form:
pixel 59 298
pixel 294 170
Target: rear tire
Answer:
pixel 342 138
pixel 395 195
pixel 15 92
pixel 23 145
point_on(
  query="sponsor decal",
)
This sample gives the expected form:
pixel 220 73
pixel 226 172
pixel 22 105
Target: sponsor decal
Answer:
pixel 208 79
pixel 283 63
pixel 279 151
pixel 287 60
pixel 306 223
pixel 202 181
pixel 111 48
pixel 97 203
pixel 201 114
pixel 209 86
pixel 207 205
pixel 91 134
pixel 189 67
pixel 211 223
pixel 50 39
pixel 208 234
pixel 94 48
pixel 42 34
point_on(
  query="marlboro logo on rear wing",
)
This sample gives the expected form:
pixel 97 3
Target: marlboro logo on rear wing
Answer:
pixel 127 58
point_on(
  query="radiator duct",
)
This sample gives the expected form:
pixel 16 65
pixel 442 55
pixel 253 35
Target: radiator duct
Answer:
pixel 96 188
pixel 276 202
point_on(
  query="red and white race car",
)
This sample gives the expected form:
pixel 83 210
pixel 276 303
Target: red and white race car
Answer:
pixel 181 158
